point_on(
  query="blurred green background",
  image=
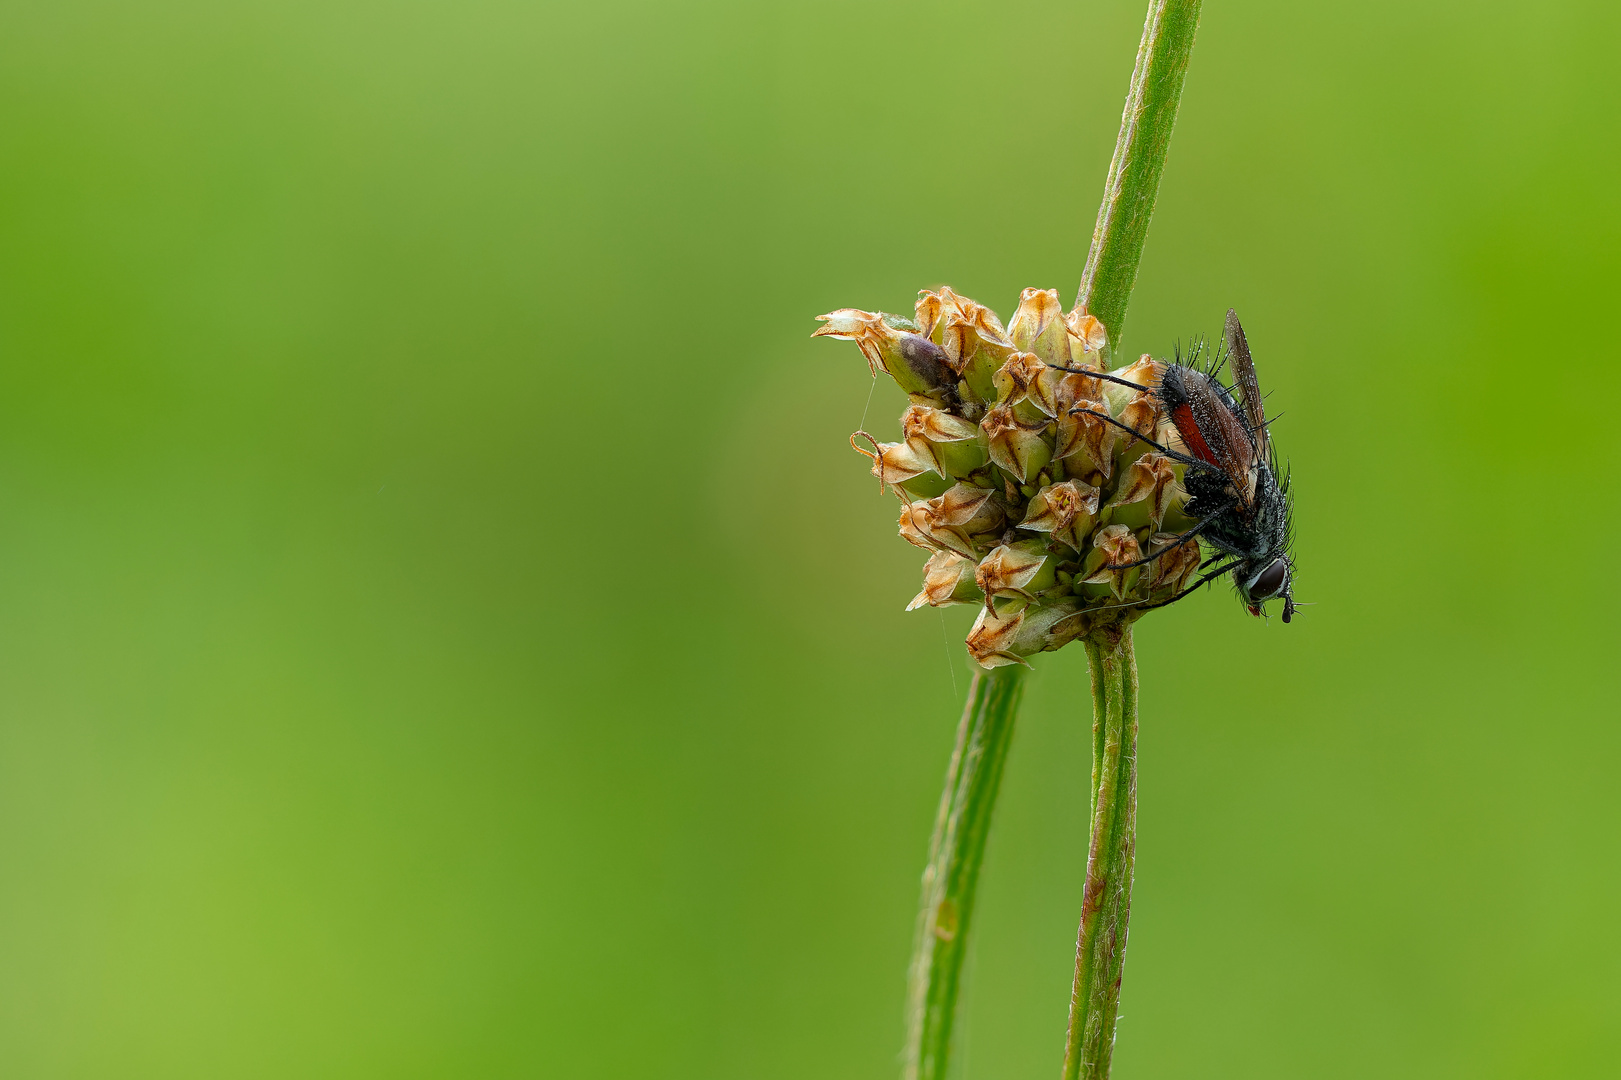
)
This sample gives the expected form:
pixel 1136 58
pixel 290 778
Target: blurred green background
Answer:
pixel 444 632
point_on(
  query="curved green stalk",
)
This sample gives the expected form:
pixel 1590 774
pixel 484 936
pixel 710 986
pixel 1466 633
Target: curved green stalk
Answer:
pixel 955 854
pixel 1139 159
pixel 986 730
pixel 1094 664
pixel 1100 948
pixel 1106 284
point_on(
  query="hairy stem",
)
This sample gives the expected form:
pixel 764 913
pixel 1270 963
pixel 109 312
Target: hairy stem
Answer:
pixel 1100 947
pixel 1139 160
pixel 955 854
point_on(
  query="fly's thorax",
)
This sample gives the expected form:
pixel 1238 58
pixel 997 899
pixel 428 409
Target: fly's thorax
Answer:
pixel 1261 541
pixel 1207 490
pixel 1271 516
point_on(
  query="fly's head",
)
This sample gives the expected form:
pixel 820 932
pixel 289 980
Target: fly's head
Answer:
pixel 1265 580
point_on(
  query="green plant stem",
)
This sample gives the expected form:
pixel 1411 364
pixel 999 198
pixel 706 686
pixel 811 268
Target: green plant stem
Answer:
pixel 960 829
pixel 1139 160
pixel 955 854
pixel 1100 705
pixel 1106 283
pixel 1100 947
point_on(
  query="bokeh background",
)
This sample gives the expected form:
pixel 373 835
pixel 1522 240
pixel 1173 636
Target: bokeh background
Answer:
pixel 444 632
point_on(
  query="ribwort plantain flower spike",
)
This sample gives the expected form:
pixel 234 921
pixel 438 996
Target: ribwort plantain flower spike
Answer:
pixel 1018 469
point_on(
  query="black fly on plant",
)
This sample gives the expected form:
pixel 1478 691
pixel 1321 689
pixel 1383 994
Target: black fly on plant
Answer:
pixel 1237 497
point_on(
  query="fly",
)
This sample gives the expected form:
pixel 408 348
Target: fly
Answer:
pixel 1235 493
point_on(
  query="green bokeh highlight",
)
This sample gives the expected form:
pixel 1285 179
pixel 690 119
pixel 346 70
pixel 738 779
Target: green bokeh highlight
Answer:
pixel 443 631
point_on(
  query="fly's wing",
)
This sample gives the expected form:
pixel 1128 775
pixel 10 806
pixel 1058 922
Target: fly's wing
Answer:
pixel 1249 387
pixel 1213 431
